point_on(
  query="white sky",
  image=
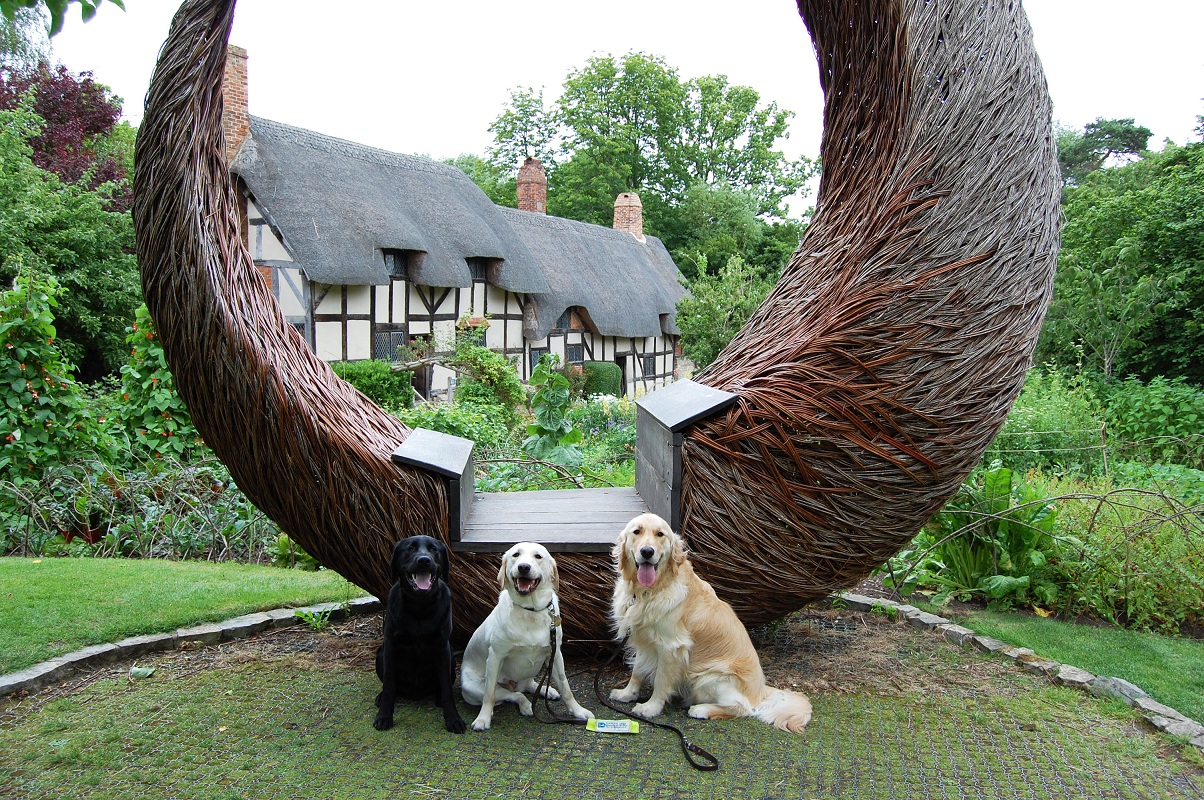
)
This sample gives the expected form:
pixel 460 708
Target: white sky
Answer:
pixel 429 77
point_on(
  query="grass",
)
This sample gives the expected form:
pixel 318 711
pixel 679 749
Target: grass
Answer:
pixel 51 606
pixel 1170 669
pixel 286 719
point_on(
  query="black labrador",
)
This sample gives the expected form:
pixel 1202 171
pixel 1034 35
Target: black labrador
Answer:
pixel 415 660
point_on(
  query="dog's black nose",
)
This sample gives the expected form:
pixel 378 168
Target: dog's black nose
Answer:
pixel 523 569
pixel 647 553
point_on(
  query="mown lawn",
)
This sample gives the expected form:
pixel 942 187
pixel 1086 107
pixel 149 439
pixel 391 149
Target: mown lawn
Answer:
pixel 1170 669
pixel 51 606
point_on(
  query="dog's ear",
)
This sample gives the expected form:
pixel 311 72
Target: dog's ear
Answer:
pixel 680 551
pixel 555 577
pixel 396 567
pixel 619 553
pixel 501 573
pixel 444 561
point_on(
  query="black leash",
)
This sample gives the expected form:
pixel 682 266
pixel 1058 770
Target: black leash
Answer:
pixel 708 763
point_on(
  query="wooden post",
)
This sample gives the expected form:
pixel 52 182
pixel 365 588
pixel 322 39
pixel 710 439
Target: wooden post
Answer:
pixel 661 419
pixel 449 457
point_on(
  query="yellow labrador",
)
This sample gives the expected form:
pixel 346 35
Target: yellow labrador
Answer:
pixel 507 653
pixel 684 639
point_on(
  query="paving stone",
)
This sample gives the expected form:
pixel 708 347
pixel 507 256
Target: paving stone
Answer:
pixel 365 605
pixel 1198 742
pixel 282 618
pixel 1073 676
pixel 1037 664
pixel 244 626
pixel 1015 653
pixel 1184 727
pixel 922 619
pixel 35 677
pixel 956 633
pixel 857 602
pixel 906 611
pixel 89 656
pixel 989 645
pixel 1116 687
pixel 138 645
pixel 209 633
pixel 1152 706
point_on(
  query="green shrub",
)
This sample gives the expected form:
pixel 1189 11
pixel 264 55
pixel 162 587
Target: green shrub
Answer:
pixel 551 434
pixel 602 378
pixel 150 408
pixel 994 539
pixel 1056 423
pixel 378 381
pixel 44 419
pixel 1132 556
pixel 492 371
pixel 1160 421
pixel 484 424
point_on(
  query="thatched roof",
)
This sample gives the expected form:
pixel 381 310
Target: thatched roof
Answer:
pixel 337 204
pixel 628 287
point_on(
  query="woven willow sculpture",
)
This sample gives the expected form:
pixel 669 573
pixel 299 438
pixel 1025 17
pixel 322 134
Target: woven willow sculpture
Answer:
pixel 870 382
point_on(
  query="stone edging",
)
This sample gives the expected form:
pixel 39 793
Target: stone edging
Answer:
pixel 1163 718
pixel 57 669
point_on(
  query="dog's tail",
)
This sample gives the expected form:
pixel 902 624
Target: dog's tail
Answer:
pixel 783 709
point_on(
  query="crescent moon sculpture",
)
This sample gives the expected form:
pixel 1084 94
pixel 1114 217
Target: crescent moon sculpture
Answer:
pixel 868 384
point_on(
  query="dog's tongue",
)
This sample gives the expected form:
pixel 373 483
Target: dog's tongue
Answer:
pixel 646 575
pixel 422 580
pixel 525 584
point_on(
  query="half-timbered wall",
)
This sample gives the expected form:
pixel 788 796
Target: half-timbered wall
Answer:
pixel 350 323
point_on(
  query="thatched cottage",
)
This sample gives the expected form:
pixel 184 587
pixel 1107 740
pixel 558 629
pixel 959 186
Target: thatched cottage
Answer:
pixel 368 251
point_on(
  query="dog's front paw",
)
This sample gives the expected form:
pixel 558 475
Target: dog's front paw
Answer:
pixel 648 710
pixel 482 722
pixel 524 707
pixel 580 712
pixel 550 693
pixel 455 724
pixel 383 722
pixel 624 695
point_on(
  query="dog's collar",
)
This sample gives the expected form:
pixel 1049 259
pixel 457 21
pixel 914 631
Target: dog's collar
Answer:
pixel 537 610
pixel 550 607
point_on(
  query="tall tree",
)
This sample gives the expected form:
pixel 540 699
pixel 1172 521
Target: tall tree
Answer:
pixel 78 114
pixel 632 123
pixel 23 40
pixel 1130 282
pixel 67 230
pixel 525 128
pixel 1081 153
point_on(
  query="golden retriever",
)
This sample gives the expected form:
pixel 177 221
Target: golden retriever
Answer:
pixel 684 639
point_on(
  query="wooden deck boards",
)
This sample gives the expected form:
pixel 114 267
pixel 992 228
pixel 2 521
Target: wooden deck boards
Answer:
pixel 563 520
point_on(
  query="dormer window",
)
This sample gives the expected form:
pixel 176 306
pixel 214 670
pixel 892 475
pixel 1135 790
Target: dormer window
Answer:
pixel 476 268
pixel 397 264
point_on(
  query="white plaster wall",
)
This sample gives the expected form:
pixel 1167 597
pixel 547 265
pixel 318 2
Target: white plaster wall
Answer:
pixel 359 299
pixel 359 339
pixel 328 342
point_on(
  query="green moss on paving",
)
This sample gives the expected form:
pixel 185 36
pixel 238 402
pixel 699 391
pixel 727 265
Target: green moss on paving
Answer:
pixel 292 728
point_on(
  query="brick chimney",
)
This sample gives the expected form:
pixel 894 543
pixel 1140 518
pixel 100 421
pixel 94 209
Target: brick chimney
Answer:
pixel 236 120
pixel 629 214
pixel 532 187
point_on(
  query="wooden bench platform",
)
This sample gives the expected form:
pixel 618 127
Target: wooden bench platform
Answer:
pixel 563 520
pixel 568 520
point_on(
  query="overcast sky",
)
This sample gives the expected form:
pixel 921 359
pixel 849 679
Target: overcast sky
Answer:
pixel 429 77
